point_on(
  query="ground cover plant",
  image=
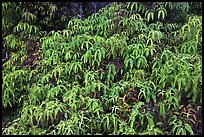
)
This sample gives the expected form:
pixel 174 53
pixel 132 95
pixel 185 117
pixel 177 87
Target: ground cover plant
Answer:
pixel 131 68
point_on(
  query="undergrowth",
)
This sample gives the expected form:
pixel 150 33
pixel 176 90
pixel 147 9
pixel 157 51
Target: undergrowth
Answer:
pixel 127 69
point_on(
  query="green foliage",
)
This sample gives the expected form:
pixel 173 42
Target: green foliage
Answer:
pixel 128 69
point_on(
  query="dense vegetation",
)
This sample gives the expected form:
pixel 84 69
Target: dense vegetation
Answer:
pixel 130 68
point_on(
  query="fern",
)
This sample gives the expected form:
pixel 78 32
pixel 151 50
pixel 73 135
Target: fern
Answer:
pixel 128 68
